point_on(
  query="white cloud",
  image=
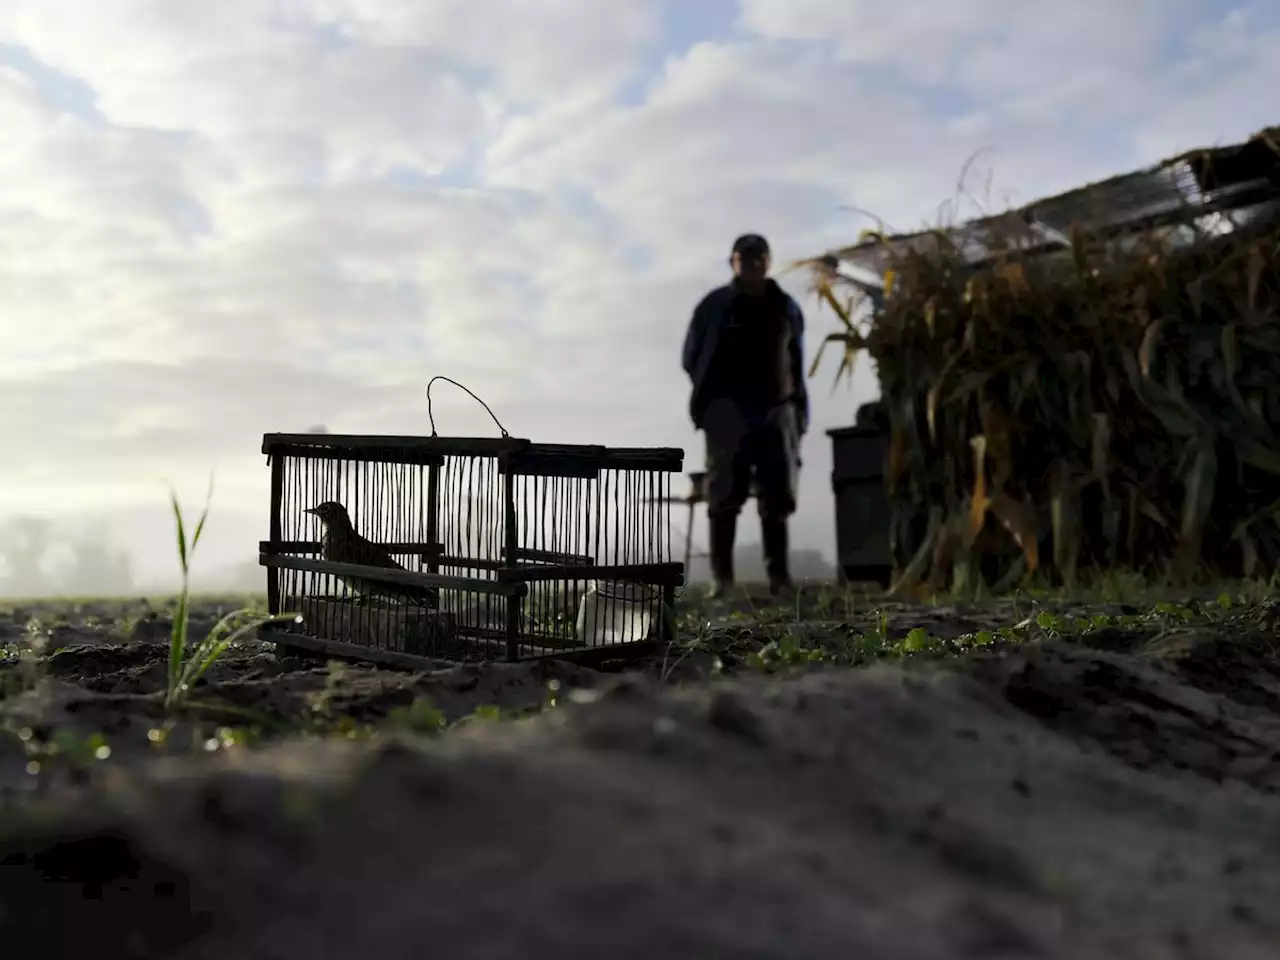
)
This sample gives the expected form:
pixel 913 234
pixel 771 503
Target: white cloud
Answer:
pixel 278 214
pixel 529 53
pixel 280 95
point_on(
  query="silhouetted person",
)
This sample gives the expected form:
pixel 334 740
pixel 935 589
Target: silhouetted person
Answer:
pixel 340 543
pixel 744 354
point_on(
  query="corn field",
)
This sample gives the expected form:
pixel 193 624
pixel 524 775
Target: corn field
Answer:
pixel 1109 406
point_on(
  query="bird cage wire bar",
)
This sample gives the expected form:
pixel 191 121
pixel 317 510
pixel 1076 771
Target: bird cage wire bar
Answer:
pixel 527 541
pixel 618 520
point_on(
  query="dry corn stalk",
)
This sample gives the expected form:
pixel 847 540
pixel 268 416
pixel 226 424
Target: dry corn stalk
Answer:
pixel 1086 408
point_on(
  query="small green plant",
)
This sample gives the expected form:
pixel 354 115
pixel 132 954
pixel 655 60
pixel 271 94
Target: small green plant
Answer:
pixel 552 699
pixel 421 716
pixel 876 642
pixel 486 712
pixel 187 665
pixel 785 651
pixel 1051 623
pixel 920 642
pixel 63 746
pixel 690 635
pixel 27 659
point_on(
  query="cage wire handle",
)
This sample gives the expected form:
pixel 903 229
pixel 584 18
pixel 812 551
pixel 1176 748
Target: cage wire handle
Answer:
pixel 432 419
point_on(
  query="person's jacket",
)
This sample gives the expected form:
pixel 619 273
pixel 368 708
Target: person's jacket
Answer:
pixel 704 335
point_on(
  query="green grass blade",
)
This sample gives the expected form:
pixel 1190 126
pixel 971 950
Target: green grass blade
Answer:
pixel 208 652
pixel 200 661
pixel 177 641
pixel 182 533
pixel 178 634
pixel 224 625
pixel 208 498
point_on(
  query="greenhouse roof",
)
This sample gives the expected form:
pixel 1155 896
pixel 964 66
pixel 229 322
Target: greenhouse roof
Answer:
pixel 1242 178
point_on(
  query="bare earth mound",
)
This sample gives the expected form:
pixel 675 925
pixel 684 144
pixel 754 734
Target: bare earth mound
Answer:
pixel 1114 799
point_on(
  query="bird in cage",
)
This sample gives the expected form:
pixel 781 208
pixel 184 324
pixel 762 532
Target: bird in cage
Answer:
pixel 340 543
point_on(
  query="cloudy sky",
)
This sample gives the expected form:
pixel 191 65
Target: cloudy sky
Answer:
pixel 221 219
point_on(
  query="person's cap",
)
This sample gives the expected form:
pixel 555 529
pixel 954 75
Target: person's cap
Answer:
pixel 751 244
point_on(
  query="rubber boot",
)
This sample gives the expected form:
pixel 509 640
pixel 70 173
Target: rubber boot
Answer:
pixel 723 532
pixel 773 534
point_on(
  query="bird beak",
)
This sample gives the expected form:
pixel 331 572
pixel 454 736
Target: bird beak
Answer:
pixel 311 510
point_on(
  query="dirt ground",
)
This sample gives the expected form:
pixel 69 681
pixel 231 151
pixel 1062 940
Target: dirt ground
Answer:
pixel 1043 793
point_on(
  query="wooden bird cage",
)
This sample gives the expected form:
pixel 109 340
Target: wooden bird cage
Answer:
pixel 529 550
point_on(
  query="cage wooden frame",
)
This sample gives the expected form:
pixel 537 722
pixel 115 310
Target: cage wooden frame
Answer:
pixel 509 577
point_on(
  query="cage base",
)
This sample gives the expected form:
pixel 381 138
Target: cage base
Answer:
pixel 592 657
pixel 306 645
pixel 394 628
pixel 419 638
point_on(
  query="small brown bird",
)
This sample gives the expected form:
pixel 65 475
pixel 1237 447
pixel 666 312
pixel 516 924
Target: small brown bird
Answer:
pixel 340 543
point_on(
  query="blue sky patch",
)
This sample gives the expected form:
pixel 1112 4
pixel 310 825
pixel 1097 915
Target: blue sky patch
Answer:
pixel 60 90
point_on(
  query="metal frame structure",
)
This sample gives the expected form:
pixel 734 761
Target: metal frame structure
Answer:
pixel 1241 180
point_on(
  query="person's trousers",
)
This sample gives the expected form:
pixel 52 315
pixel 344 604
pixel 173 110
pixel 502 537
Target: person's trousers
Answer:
pixel 742 454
